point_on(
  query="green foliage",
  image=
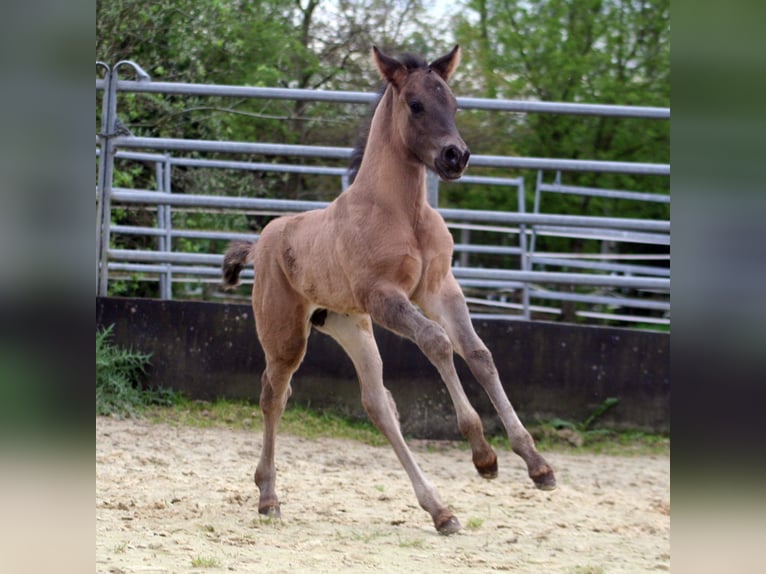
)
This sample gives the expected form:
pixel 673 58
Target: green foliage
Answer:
pixel 599 412
pixel 118 378
pixel 587 51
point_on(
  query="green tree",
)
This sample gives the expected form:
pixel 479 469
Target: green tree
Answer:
pixel 271 43
pixel 587 51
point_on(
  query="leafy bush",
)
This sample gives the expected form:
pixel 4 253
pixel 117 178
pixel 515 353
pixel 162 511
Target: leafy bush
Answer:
pixel 118 379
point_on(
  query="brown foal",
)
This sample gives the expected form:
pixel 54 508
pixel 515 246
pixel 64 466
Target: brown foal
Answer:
pixel 379 253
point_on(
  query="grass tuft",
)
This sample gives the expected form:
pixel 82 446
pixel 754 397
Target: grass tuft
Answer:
pixel 205 562
pixel 474 523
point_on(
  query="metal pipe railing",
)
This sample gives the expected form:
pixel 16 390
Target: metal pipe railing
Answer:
pixel 355 97
pixel 171 266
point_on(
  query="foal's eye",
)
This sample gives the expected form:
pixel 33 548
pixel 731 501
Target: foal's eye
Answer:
pixel 416 107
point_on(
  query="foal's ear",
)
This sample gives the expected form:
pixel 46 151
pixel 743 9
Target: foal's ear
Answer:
pixel 447 64
pixel 391 69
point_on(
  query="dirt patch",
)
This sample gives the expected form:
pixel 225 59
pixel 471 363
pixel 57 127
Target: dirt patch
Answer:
pixel 177 499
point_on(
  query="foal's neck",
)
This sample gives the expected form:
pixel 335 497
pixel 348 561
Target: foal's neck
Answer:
pixel 390 175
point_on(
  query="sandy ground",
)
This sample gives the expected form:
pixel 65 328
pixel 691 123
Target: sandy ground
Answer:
pixel 182 499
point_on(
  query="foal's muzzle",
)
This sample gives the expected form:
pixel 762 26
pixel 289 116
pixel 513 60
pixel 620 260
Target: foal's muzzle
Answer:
pixel 452 161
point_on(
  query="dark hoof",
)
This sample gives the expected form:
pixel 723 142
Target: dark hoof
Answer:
pixel 544 478
pixel 487 468
pixel 270 511
pixel 448 525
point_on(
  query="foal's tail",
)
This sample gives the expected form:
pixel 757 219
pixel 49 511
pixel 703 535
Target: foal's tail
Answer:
pixel 238 253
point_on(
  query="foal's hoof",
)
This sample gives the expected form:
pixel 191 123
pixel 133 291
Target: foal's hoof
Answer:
pixel 271 512
pixel 487 468
pixel 544 478
pixel 447 525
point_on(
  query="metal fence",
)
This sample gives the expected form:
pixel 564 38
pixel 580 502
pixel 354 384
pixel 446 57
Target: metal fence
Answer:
pixel 614 287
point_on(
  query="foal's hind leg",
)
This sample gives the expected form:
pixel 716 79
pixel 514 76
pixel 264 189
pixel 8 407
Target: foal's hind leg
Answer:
pixel 354 334
pixel 283 337
pixel 449 308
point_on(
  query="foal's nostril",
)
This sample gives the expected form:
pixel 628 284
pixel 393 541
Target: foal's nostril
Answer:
pixel 452 157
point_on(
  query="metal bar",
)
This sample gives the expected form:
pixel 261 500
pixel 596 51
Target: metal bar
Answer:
pixel 103 151
pixel 562 296
pixel 355 97
pixel 601 300
pixel 536 209
pixel 608 256
pixel 646 112
pixel 463 247
pixel 522 200
pixel 139 156
pixel 554 219
pixel 570 165
pixel 432 189
pixel 592 314
pixel 488 180
pixel 280 205
pixel 500 316
pixel 618 267
pixel 167 224
pixel 564 278
pixel 165 256
pixel 488 249
pixel 176 144
pixel 611 193
pixel 205 271
pixel 109 119
pixel 631 318
pixel 253 166
pixel 611 235
pixel 142 196
pixel 489 283
pixel 162 243
pixel 186 233
pixel 345 153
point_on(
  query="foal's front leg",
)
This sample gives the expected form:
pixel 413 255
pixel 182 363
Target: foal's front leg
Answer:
pixel 449 309
pixel 391 309
pixel 354 334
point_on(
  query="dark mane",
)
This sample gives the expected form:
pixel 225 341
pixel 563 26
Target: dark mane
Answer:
pixel 412 62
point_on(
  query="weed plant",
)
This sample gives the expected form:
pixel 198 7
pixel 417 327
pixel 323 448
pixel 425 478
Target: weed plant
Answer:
pixel 119 374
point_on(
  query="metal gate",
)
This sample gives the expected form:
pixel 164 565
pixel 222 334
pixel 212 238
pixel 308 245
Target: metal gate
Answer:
pixel 612 286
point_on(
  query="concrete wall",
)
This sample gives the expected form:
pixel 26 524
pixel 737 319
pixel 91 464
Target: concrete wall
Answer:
pixel 210 350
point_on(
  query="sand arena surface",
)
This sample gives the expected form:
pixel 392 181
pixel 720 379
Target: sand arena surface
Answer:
pixel 182 499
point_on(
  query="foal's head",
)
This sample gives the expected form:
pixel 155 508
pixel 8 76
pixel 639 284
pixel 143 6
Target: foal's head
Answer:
pixel 424 111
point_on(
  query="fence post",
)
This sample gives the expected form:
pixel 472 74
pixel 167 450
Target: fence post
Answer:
pixel 524 253
pixel 164 241
pixel 106 172
pixel 465 239
pixel 167 224
pixel 108 132
pixel 432 189
pixel 105 157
